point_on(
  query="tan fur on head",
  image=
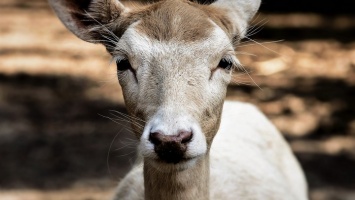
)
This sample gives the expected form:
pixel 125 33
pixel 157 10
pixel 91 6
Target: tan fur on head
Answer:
pixel 86 18
pixel 91 19
pixel 174 20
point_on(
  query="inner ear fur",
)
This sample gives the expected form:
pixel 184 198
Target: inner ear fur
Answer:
pixel 233 16
pixel 238 13
pixel 88 19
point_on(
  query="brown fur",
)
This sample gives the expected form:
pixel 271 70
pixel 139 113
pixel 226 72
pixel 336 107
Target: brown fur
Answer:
pixel 179 20
pixel 175 20
pixel 88 19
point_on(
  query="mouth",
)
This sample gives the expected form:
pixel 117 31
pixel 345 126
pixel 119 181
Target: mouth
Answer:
pixel 162 165
pixel 173 161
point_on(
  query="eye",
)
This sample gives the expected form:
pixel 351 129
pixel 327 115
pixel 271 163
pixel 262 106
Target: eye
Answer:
pixel 123 65
pixel 225 64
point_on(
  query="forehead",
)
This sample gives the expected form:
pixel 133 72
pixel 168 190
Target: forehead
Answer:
pixel 175 20
pixel 177 29
pixel 141 47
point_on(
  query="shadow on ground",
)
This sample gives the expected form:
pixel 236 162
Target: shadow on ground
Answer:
pixel 53 136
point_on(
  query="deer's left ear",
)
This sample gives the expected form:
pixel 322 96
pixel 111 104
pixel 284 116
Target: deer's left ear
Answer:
pixel 87 19
pixel 238 13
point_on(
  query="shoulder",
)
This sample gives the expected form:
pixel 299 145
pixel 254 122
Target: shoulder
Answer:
pixel 242 111
pixel 132 186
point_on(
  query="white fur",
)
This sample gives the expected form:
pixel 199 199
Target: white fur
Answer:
pixel 169 126
pixel 254 154
pixel 142 49
pixel 240 12
pixel 247 155
pixel 173 116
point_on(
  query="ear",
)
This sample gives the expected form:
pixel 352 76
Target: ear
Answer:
pixel 88 19
pixel 239 14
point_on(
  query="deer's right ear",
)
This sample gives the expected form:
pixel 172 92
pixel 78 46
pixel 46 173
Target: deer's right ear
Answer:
pixel 87 19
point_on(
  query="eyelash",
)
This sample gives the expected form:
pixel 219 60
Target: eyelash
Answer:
pixel 225 64
pixel 123 65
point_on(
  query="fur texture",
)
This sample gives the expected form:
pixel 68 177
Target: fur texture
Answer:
pixel 175 83
pixel 249 160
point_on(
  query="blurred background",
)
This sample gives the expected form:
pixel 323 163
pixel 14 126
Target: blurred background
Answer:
pixel 55 89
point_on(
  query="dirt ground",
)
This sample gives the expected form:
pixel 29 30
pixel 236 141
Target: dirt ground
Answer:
pixel 54 89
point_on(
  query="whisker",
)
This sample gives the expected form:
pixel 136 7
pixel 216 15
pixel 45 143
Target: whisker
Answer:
pixel 129 121
pixel 255 18
pixel 127 154
pixel 256 28
pixel 114 121
pixel 249 43
pixel 246 72
pixel 105 28
pixel 109 41
pixel 128 116
pixel 242 83
pixel 108 153
pixel 125 146
pixel 264 46
pixel 244 53
pixel 242 73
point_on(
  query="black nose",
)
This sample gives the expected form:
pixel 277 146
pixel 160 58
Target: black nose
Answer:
pixel 170 148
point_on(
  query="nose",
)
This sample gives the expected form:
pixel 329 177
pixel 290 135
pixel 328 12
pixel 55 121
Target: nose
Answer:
pixel 170 148
pixel 157 138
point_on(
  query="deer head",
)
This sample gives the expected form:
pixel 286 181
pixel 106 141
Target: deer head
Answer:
pixel 174 60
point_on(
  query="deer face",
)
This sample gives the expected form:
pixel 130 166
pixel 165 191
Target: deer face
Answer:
pixel 177 87
pixel 174 60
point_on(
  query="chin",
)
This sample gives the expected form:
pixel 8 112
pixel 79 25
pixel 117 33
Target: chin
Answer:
pixel 163 166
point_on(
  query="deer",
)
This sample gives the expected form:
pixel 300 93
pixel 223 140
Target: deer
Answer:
pixel 175 59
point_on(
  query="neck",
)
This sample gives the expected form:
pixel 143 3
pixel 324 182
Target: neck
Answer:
pixel 189 184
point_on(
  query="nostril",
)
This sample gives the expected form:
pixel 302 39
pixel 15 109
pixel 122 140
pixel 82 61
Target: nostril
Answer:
pixel 170 148
pixel 185 136
pixel 156 138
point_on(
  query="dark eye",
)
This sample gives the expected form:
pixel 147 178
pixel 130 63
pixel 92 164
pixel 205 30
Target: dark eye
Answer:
pixel 225 64
pixel 123 65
